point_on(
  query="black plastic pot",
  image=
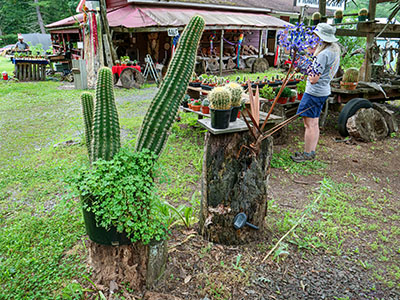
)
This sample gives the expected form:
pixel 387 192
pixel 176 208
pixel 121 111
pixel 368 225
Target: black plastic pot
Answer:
pixel 220 118
pixel 234 113
pixel 101 235
pixel 362 18
pixel 185 103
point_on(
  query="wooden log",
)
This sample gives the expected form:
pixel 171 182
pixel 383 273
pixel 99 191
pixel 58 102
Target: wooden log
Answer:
pixel 43 72
pixel 367 125
pixel 260 65
pixel 389 116
pixel 137 265
pixel 29 71
pixel 34 71
pixel 232 185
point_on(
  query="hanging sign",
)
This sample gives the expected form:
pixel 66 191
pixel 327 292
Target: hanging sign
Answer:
pixel 330 4
pixel 173 31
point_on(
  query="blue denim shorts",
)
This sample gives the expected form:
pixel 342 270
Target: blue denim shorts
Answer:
pixel 316 104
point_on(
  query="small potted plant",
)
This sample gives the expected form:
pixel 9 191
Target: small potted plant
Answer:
pixel 220 107
pixel 267 92
pixel 196 105
pixel 236 99
pixel 362 15
pixel 190 102
pixel 338 16
pixel 285 95
pixel 316 18
pixel 185 101
pixel 301 88
pixel 293 96
pixel 117 63
pixel 205 106
pixel 350 79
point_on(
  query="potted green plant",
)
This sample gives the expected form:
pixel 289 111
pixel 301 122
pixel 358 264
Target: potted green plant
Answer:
pixel 293 96
pixel 285 95
pixel 362 15
pixel 220 107
pixel 196 105
pixel 205 106
pixel 350 79
pixel 338 16
pixel 267 92
pixel 236 99
pixel 117 63
pixel 316 18
pixel 301 88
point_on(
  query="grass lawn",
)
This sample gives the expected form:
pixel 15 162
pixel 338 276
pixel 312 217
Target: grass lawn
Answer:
pixel 42 245
pixel 5 65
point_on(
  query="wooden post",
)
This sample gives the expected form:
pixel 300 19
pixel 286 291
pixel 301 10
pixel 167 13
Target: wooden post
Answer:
pixel 322 10
pixel 221 52
pixel 260 44
pixel 370 41
pixel 43 72
pixel 103 13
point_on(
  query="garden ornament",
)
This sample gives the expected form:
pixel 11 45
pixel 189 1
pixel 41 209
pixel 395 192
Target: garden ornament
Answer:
pixel 240 221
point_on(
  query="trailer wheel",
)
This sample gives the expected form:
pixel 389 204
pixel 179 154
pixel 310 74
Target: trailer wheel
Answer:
pixel 349 110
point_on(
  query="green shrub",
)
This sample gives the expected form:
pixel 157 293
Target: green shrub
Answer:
pixel 301 87
pixel 285 93
pixel 8 39
pixel 267 92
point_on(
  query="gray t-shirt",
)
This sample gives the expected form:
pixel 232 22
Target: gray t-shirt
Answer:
pixel 21 45
pixel 328 61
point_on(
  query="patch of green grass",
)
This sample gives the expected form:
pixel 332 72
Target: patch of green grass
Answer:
pixel 6 65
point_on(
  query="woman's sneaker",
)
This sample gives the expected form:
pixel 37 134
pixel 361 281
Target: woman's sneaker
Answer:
pixel 302 157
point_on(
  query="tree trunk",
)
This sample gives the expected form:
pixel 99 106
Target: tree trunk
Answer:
pixel 39 17
pixel 367 125
pixel 232 185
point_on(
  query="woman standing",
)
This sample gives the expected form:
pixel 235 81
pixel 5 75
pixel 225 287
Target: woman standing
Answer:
pixel 318 88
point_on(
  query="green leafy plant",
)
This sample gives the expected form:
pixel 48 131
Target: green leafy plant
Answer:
pixel 267 92
pixel 301 87
pixel 236 265
pixel 287 92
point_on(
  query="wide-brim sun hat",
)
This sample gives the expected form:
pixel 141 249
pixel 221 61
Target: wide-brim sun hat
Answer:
pixel 326 33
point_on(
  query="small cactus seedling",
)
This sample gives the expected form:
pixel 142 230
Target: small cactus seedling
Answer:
pixel 220 98
pixel 236 92
pixel 351 75
pixel 339 14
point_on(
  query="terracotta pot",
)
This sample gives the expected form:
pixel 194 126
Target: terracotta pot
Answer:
pixel 299 96
pixel 292 99
pixel 348 85
pixel 190 105
pixel 196 107
pixel 205 109
pixel 283 100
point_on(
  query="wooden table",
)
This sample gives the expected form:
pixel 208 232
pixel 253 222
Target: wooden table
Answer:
pixel 30 70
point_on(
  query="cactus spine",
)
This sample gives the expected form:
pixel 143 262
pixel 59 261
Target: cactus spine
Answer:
pixel 163 108
pixel 106 131
pixel 237 92
pixel 87 110
pixel 220 98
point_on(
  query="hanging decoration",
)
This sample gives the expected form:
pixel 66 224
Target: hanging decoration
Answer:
pixel 239 45
pixel 175 43
pixel 95 38
pixel 212 38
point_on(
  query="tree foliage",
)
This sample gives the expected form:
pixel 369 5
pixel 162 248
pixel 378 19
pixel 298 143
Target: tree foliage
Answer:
pixel 20 15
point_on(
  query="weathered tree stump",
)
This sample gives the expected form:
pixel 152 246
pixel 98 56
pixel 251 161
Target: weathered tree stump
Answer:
pixel 367 125
pixel 136 264
pixel 259 65
pixel 232 185
pixel 388 115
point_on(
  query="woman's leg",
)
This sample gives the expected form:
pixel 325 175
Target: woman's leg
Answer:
pixel 311 133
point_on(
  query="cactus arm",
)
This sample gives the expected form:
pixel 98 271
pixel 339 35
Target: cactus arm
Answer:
pixel 106 129
pixel 87 110
pixel 164 107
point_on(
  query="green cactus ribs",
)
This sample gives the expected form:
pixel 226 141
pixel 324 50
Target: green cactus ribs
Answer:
pixel 163 108
pixel 87 110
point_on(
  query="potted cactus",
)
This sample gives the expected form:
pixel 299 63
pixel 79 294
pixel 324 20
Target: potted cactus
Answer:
pixel 338 16
pixel 220 107
pixel 301 88
pixel 267 92
pixel 350 79
pixel 205 109
pixel 316 18
pixel 236 100
pixel 362 15
pixel 196 105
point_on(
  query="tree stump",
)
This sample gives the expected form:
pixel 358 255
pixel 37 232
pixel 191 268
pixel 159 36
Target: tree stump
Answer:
pixel 232 185
pixel 259 65
pixel 131 78
pixel 388 115
pixel 136 264
pixel 367 125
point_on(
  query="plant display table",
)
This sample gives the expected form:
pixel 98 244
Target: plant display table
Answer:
pixel 30 69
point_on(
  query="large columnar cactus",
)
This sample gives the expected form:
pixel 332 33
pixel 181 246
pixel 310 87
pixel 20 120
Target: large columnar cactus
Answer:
pixel 163 108
pixel 237 92
pixel 87 110
pixel 220 98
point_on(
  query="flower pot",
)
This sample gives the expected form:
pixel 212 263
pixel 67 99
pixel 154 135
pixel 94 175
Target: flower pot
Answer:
pixel 362 18
pixel 196 107
pixel 299 96
pixel 338 20
pixel 234 113
pixel 271 100
pixel 185 104
pixel 348 85
pixel 292 99
pixel 102 236
pixel 220 118
pixel 205 109
pixel 282 100
pixel 238 115
pixel 190 105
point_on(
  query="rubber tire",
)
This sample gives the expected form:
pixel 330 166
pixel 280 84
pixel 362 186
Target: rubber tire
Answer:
pixel 349 110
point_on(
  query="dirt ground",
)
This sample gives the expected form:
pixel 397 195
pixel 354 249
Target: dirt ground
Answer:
pixel 198 269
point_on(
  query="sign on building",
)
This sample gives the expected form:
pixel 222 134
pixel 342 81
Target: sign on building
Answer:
pixel 173 31
pixel 330 4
